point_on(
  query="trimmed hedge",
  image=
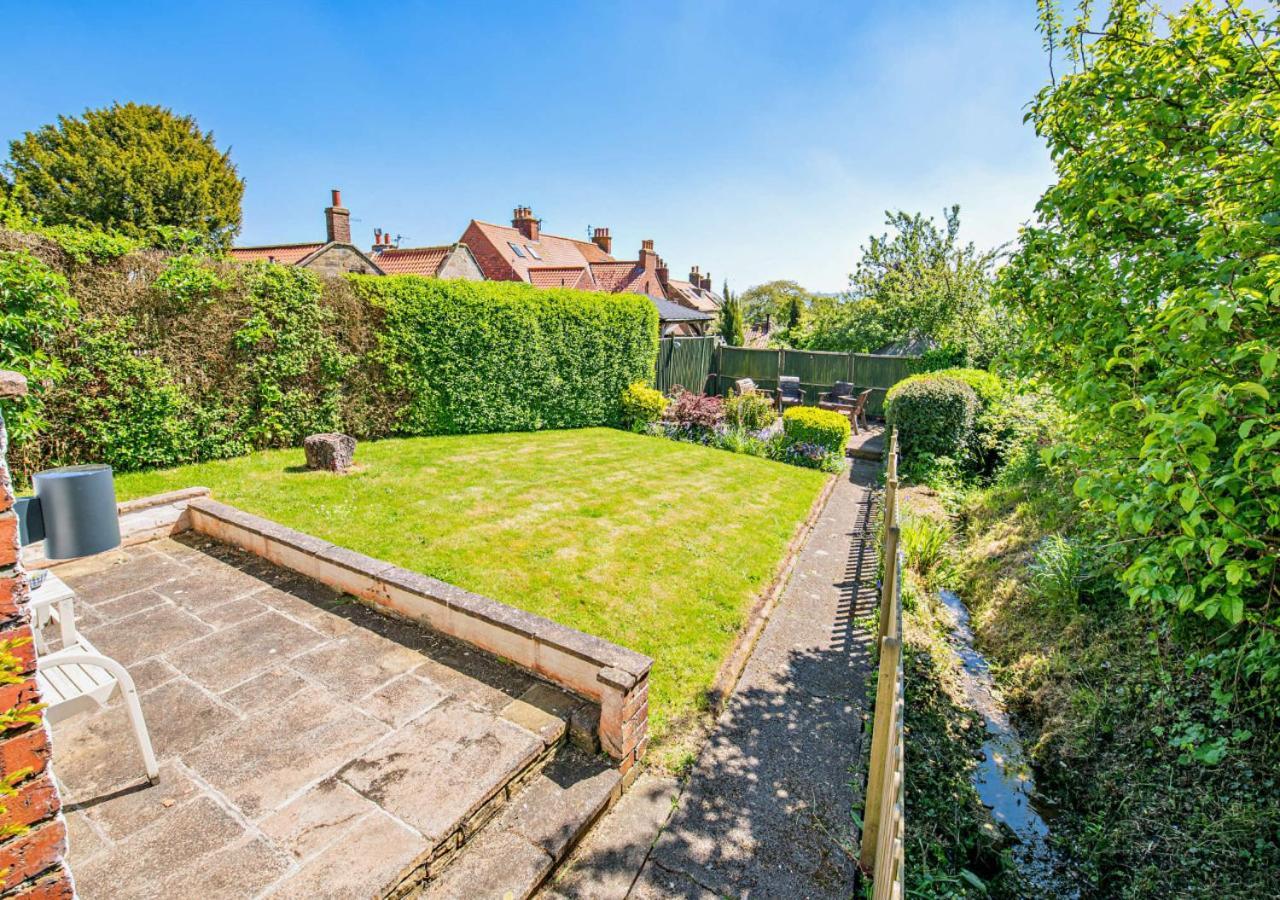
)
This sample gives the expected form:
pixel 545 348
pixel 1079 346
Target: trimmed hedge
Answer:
pixel 474 356
pixel 821 427
pixel 934 415
pixel 176 359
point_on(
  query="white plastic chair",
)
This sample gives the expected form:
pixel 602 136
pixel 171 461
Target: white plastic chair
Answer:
pixel 76 677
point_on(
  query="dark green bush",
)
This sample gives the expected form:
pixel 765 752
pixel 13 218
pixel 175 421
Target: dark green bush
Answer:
pixel 934 417
pixel 821 427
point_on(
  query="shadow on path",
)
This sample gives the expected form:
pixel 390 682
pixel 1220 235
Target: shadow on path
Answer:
pixel 767 811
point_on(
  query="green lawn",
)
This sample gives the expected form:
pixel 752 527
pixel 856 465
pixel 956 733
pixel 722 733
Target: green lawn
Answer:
pixel 657 545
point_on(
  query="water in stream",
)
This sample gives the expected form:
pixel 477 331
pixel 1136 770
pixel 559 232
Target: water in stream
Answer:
pixel 1003 779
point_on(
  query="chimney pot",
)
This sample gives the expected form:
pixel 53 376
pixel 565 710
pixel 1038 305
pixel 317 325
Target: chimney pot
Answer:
pixel 525 223
pixel 336 196
pixel 600 237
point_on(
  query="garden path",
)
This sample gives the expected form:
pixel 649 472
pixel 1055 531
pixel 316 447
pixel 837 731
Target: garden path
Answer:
pixel 768 808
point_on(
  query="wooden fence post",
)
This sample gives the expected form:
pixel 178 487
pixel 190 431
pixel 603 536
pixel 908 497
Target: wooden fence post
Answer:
pixel 890 650
pixel 889 587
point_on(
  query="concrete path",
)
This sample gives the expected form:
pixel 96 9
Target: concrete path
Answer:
pixel 768 809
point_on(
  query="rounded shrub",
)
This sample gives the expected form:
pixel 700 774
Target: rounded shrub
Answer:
pixel 751 411
pixel 822 427
pixel 934 416
pixel 987 386
pixel 642 406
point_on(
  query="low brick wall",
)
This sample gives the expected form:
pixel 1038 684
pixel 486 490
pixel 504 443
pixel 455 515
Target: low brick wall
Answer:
pixel 613 676
pixel 31 858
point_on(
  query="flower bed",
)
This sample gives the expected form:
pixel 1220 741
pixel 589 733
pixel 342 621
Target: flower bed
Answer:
pixel 807 437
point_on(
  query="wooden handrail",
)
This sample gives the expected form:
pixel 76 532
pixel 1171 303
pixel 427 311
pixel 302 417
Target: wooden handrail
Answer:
pixel 883 819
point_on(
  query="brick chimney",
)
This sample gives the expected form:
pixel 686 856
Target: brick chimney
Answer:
pixel 648 259
pixel 600 237
pixel 663 272
pixel 523 221
pixel 706 282
pixel 337 220
pixel 695 277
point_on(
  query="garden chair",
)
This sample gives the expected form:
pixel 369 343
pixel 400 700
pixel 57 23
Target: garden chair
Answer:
pixel 789 392
pixel 747 386
pixel 840 395
pixel 76 677
pixel 859 409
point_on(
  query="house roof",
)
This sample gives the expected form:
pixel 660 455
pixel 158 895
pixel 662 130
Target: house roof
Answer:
pixel 553 251
pixel 412 260
pixel 689 294
pixel 561 276
pixel 674 312
pixel 616 276
pixel 285 254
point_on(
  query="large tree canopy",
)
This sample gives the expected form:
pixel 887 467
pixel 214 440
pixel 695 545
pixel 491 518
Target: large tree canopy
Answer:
pixel 779 303
pixel 1150 284
pixel 128 168
pixel 916 282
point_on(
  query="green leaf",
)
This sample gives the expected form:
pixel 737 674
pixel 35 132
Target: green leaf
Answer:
pixel 1252 387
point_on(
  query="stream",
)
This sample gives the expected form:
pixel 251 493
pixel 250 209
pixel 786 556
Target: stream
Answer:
pixel 1003 779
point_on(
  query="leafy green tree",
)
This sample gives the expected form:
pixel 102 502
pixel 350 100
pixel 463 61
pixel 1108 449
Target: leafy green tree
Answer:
pixel 730 324
pixel 136 169
pixel 916 282
pixel 1150 286
pixel 778 302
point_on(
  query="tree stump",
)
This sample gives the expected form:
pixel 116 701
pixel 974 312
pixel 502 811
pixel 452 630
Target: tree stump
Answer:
pixel 330 452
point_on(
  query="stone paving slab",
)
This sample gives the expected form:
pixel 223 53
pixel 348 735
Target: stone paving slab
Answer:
pixel 519 849
pixel 308 746
pixel 605 868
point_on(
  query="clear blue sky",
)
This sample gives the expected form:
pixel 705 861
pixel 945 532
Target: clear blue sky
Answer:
pixel 758 140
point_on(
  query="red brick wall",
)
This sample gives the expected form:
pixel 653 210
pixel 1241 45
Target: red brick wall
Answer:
pixel 31 861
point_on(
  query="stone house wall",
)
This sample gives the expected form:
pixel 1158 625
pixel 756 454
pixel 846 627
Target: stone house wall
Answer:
pixel 339 260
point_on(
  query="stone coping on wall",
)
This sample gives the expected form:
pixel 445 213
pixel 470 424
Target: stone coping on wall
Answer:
pixel 613 676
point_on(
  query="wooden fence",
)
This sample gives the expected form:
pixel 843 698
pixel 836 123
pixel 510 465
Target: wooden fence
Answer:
pixel 817 371
pixel 706 365
pixel 883 823
pixel 685 361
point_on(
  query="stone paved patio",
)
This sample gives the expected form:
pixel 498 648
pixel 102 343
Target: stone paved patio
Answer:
pixel 309 747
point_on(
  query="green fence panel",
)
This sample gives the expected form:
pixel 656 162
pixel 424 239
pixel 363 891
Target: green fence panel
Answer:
pixel 685 361
pixel 761 366
pixel 817 371
pixel 880 373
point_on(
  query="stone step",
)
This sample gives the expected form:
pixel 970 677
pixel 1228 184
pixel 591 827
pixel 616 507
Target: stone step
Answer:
pixel 867 445
pixel 450 793
pixel 523 844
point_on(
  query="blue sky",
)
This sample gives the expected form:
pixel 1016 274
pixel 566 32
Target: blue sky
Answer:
pixel 757 140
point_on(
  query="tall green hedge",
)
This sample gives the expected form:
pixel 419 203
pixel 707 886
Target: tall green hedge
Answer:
pixel 175 359
pixel 470 356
